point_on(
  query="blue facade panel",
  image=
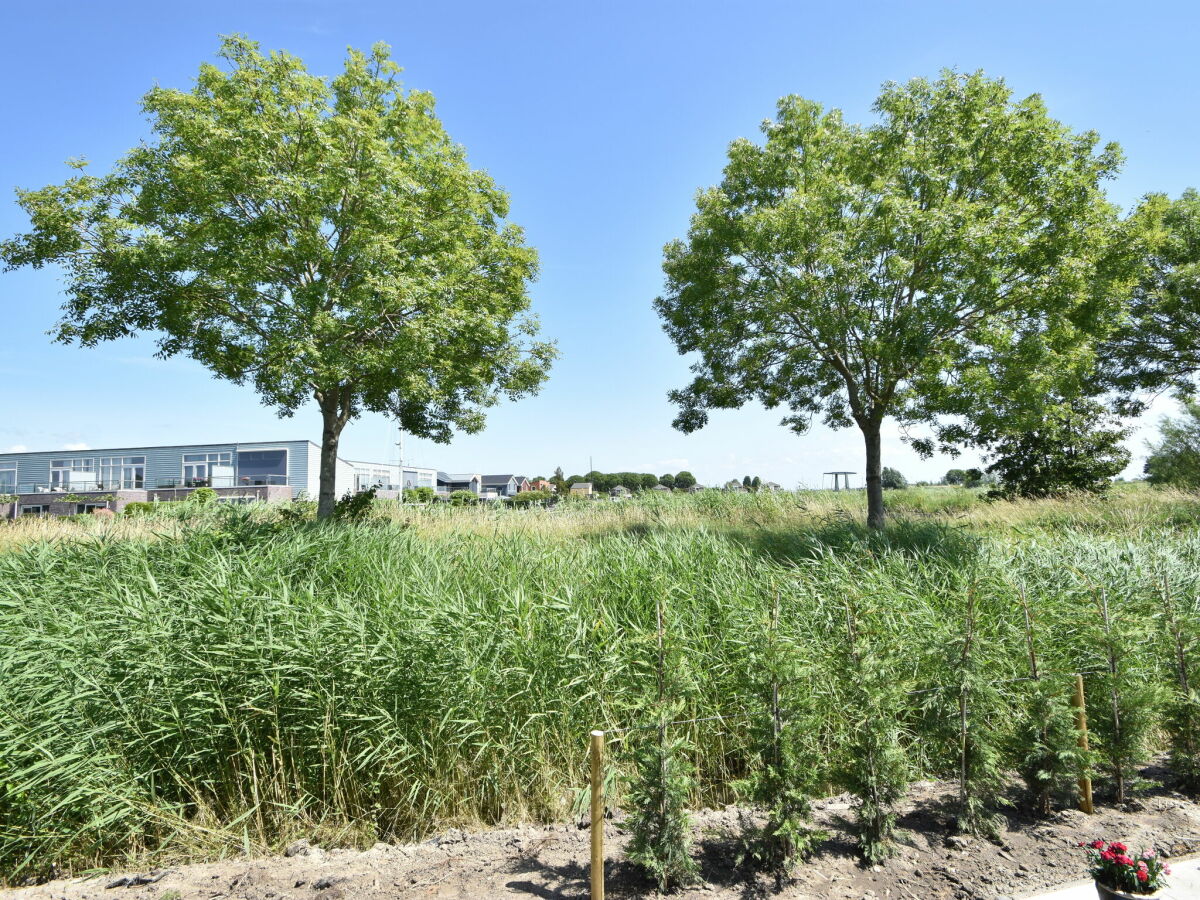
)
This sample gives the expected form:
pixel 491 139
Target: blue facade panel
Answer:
pixel 163 467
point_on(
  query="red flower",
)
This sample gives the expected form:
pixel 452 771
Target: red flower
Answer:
pixel 1108 856
pixel 1143 875
pixel 1124 860
pixel 1117 847
pixel 1097 845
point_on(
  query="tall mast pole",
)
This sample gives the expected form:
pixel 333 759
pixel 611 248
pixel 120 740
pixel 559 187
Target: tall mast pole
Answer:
pixel 400 450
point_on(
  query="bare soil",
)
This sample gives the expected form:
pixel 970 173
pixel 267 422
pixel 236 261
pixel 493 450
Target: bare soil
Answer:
pixel 551 861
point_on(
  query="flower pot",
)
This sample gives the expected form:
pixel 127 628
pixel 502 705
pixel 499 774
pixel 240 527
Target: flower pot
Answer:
pixel 1107 893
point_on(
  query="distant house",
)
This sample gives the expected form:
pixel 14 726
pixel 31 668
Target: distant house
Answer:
pixel 661 487
pixel 770 486
pixel 502 485
pixel 448 483
pixel 696 488
pixel 619 492
pixel 542 484
pixel 734 486
pixel 523 484
pixel 582 488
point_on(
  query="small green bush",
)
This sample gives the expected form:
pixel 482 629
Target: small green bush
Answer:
pixel 355 507
pixel 203 496
pixel 139 508
pixel 420 494
pixel 462 498
pixel 529 498
pixel 659 824
pixel 298 511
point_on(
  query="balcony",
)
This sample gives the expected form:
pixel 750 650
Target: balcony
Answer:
pixel 221 481
pixel 87 487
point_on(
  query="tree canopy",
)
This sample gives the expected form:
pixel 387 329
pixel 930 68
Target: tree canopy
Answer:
pixel 1077 447
pixel 1175 458
pixel 897 269
pixel 605 481
pixel 1159 345
pixel 322 239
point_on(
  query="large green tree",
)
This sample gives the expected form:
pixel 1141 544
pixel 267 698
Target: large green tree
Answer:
pixel 860 272
pixel 322 239
pixel 1159 345
pixel 1076 446
pixel 1175 458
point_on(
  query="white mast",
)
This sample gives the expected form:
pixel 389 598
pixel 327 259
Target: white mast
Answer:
pixel 400 454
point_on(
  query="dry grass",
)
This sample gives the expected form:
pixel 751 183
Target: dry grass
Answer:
pixel 1127 508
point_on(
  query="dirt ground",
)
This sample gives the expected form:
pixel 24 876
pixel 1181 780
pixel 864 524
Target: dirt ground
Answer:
pixel 551 861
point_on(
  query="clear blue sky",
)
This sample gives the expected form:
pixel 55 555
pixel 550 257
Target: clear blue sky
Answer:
pixel 602 120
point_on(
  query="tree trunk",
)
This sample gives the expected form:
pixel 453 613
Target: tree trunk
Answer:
pixel 334 421
pixel 870 430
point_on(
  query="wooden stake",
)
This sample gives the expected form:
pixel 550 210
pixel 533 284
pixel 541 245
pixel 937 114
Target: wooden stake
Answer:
pixel 597 753
pixel 1085 783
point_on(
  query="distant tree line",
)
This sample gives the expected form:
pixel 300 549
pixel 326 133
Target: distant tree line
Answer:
pixel 631 481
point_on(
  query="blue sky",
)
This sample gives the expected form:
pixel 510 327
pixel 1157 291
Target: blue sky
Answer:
pixel 602 121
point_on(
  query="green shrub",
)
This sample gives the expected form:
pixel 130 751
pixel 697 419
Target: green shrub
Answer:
pixel 659 825
pixel 529 498
pixel 463 498
pixel 1045 745
pixel 298 511
pixel 139 508
pixel 420 495
pixel 875 768
pixel 355 507
pixel 202 496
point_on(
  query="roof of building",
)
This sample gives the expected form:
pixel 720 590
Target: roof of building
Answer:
pixel 252 445
pixel 499 479
pixel 582 484
pixel 461 476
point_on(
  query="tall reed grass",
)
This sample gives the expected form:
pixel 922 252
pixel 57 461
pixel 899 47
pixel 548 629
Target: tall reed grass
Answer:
pixel 219 684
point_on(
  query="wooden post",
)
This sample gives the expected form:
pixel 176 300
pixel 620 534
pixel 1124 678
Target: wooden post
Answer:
pixel 597 753
pixel 1085 783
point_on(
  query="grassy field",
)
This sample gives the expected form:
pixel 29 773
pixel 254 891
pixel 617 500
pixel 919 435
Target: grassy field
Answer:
pixel 211 681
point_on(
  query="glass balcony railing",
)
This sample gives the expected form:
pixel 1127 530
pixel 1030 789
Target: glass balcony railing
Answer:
pixel 102 487
pixel 222 481
pixel 87 487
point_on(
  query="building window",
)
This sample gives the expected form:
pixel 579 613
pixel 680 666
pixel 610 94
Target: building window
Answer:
pixel 33 510
pixel 73 474
pixel 364 481
pixel 118 472
pixel 262 466
pixel 8 478
pixel 82 509
pixel 208 469
pixel 418 478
